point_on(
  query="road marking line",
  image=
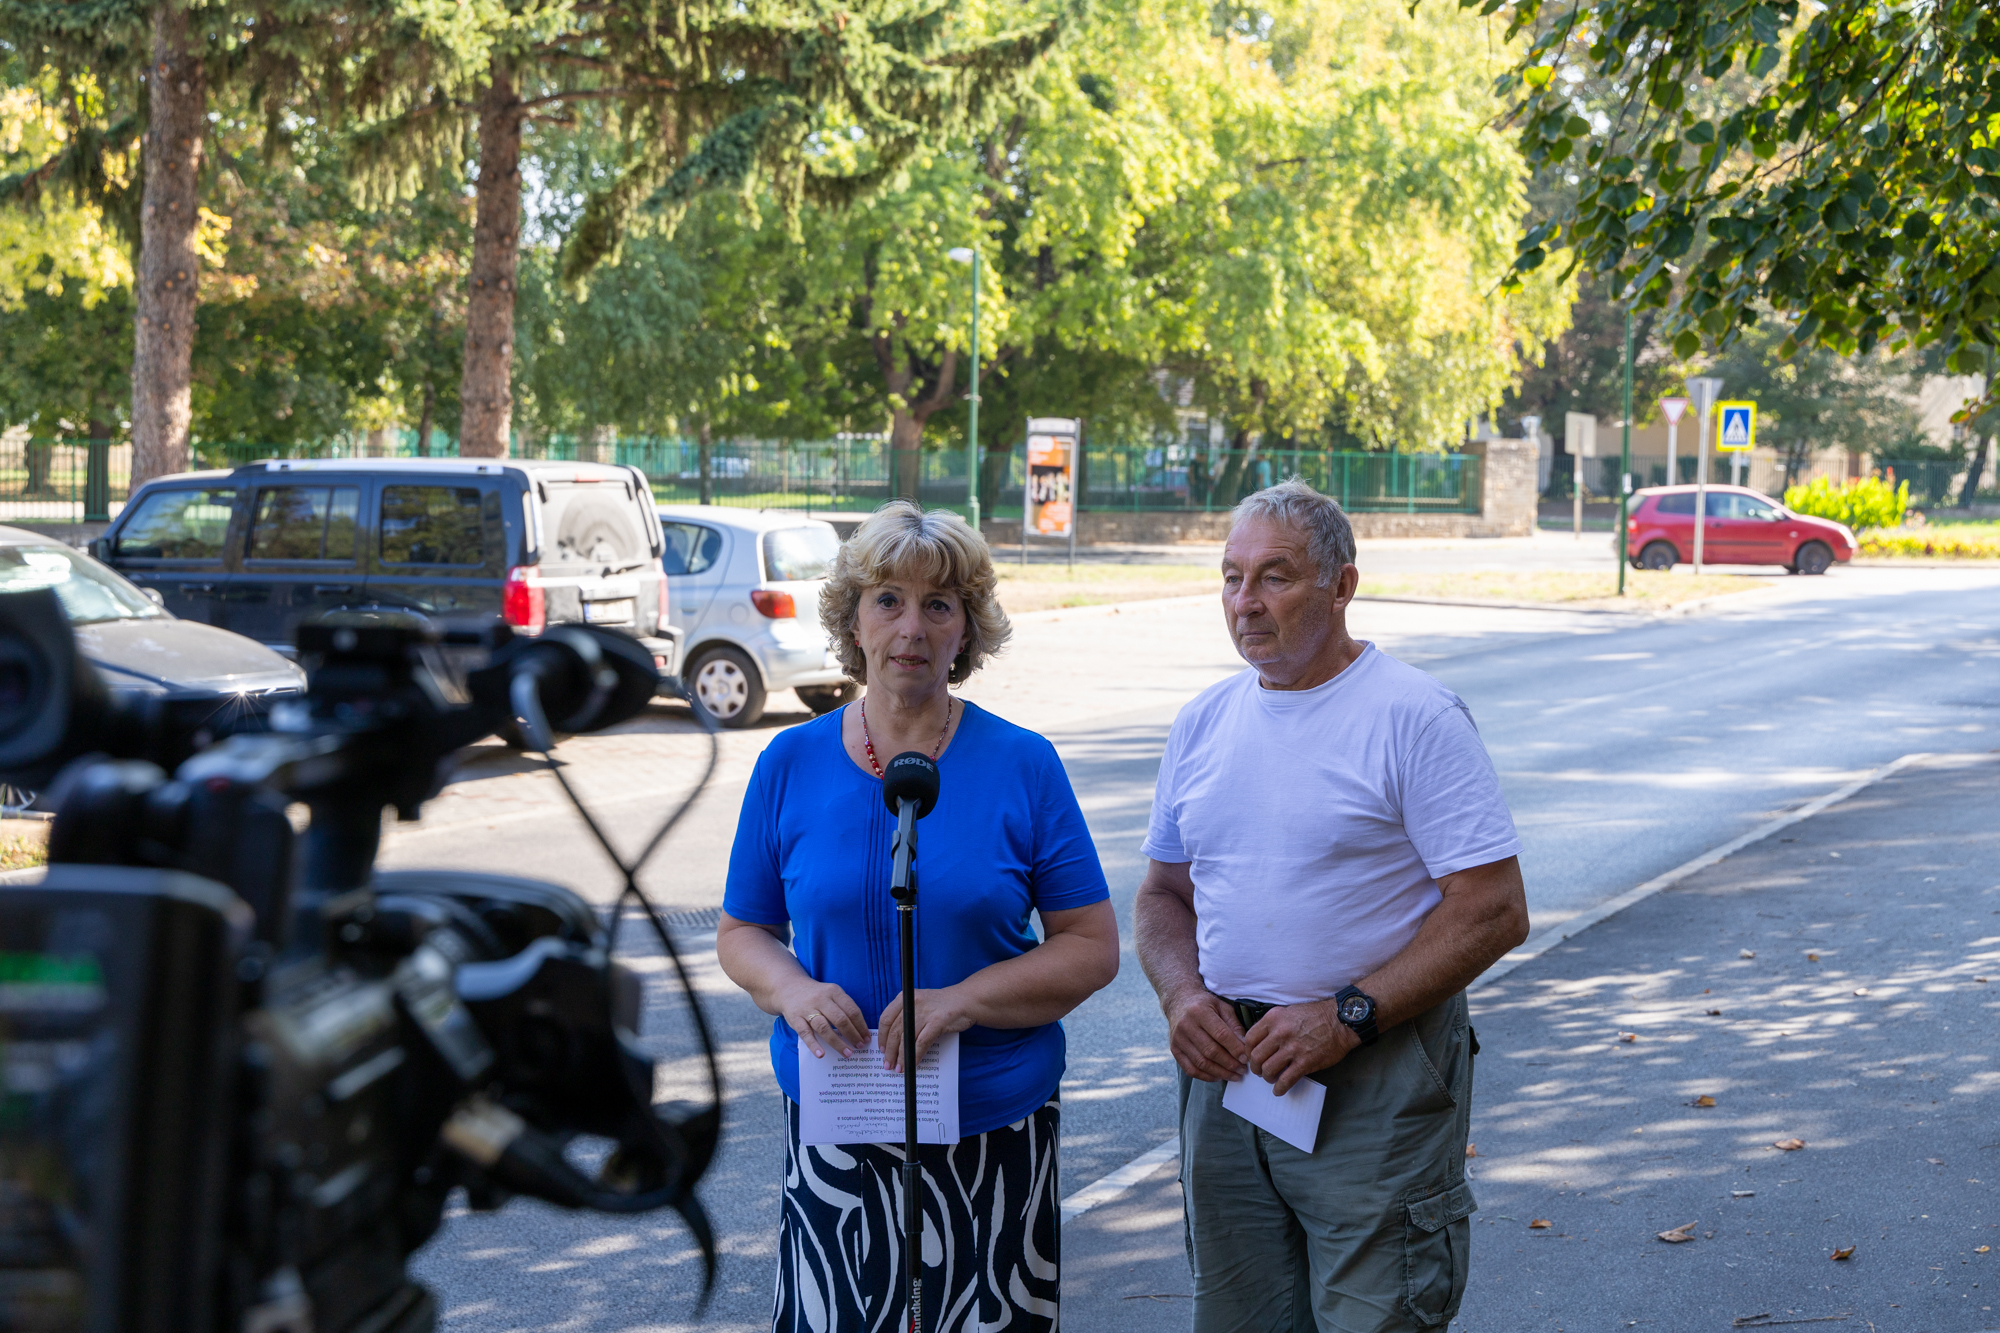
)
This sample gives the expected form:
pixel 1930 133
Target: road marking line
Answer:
pixel 1124 1178
pixel 1576 925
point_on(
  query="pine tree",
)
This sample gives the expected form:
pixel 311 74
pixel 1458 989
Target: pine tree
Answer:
pixel 710 94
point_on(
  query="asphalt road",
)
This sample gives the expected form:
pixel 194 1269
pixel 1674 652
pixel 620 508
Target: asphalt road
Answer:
pixel 1626 746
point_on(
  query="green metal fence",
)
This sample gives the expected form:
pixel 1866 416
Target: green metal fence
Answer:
pixel 1933 481
pixel 62 481
pixel 75 480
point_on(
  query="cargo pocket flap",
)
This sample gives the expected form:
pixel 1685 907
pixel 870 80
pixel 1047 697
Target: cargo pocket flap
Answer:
pixel 1441 1210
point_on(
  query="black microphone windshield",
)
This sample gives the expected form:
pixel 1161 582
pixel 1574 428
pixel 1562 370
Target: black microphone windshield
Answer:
pixel 911 776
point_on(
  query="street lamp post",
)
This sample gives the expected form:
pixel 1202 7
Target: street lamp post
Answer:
pixel 966 255
pixel 1704 390
pixel 1620 540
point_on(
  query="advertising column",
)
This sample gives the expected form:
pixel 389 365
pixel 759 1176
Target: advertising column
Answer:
pixel 1048 504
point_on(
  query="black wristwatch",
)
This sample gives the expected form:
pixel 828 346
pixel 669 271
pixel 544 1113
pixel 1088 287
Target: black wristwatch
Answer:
pixel 1358 1012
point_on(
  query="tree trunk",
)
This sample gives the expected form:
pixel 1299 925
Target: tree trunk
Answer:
pixel 486 391
pixel 705 461
pixel 425 421
pixel 906 443
pixel 1969 492
pixel 163 340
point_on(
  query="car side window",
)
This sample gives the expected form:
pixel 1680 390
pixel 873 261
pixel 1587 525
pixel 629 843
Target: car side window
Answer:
pixel 691 548
pixel 179 525
pixel 304 523
pixel 1674 504
pixel 1721 504
pixel 1761 512
pixel 432 525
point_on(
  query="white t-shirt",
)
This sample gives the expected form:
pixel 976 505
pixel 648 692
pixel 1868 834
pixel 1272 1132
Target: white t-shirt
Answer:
pixel 1315 823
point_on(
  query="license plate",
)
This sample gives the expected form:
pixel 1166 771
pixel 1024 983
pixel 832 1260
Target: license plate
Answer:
pixel 613 613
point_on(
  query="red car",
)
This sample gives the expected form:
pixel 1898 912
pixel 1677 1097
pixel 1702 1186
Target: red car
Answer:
pixel 1744 528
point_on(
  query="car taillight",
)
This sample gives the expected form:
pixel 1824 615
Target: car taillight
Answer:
pixel 522 603
pixel 776 605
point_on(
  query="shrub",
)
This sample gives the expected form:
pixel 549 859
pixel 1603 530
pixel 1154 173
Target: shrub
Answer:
pixel 1937 545
pixel 1863 503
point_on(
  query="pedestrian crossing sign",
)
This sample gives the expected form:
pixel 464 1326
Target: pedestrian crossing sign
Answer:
pixel 1738 426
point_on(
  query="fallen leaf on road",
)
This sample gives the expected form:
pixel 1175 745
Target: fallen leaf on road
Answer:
pixel 1679 1234
pixel 1934 1161
pixel 1812 958
pixel 1789 1145
pixel 1847 1253
pixel 1834 855
pixel 1715 1013
pixel 1981 980
pixel 1748 953
pixel 1540 1224
pixel 1981 1250
pixel 1703 1100
pixel 1861 991
pixel 1740 1320
pixel 1628 1037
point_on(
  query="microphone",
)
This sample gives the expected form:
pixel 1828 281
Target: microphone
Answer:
pixel 910 788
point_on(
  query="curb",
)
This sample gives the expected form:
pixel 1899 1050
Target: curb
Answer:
pixel 1576 925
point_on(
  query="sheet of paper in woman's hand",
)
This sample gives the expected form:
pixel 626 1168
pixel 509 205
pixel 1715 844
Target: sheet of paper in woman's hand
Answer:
pixel 1293 1117
pixel 853 1099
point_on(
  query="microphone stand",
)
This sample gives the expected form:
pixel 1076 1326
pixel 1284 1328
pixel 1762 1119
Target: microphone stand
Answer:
pixel 903 888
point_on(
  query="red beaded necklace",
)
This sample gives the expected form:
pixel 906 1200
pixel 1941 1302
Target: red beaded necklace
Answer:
pixel 869 745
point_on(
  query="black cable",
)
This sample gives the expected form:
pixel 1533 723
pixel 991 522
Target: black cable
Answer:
pixel 633 891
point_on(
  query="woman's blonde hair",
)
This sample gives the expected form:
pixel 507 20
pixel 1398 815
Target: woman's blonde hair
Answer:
pixel 900 540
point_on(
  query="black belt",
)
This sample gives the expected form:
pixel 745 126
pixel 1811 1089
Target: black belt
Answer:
pixel 1249 1011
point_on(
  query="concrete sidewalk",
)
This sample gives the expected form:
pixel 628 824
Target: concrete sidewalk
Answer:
pixel 1836 985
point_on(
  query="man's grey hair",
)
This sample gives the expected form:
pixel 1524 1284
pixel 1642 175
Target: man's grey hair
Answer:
pixel 1329 536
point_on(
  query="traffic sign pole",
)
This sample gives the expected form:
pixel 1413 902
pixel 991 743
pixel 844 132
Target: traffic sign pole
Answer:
pixel 1704 390
pixel 1673 407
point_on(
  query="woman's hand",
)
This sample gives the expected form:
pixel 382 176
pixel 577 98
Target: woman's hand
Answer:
pixel 939 1012
pixel 822 1013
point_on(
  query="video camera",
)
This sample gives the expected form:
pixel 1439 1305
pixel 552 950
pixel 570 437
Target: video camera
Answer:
pixel 240 1069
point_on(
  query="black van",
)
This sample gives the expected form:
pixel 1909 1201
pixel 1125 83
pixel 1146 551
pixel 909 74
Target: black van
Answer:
pixel 258 549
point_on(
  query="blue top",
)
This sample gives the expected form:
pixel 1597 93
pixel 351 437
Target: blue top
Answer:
pixel 1006 838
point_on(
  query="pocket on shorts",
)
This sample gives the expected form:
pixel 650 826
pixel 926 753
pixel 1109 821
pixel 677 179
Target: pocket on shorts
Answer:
pixel 1436 1239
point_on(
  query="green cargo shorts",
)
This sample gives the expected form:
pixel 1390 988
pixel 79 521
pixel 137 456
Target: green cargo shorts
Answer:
pixel 1366 1234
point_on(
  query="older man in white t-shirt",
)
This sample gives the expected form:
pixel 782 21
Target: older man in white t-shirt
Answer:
pixel 1331 864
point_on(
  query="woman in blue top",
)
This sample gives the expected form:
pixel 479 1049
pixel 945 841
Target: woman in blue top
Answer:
pixel 910 605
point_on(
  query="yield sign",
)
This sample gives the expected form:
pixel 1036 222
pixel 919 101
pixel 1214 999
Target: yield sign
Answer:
pixel 1738 426
pixel 1673 408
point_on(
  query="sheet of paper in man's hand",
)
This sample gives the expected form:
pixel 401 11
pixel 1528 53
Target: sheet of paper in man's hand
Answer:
pixel 853 1099
pixel 1293 1117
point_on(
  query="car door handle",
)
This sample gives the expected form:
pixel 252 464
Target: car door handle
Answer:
pixel 332 587
pixel 197 587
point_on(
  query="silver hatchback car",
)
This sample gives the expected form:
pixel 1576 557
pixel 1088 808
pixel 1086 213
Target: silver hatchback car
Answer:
pixel 744 586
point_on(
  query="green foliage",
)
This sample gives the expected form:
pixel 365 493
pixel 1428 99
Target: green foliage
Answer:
pixel 1838 163
pixel 1861 503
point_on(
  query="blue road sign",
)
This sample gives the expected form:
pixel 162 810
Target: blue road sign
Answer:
pixel 1738 422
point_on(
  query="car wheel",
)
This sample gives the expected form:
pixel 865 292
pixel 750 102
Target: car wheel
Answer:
pixel 1814 558
pixel 725 682
pixel 824 699
pixel 1658 556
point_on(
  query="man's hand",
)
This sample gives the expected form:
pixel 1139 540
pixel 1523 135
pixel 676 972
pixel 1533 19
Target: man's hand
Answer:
pixel 1206 1039
pixel 1298 1039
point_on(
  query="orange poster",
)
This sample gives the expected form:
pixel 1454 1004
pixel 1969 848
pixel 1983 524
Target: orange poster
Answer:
pixel 1051 481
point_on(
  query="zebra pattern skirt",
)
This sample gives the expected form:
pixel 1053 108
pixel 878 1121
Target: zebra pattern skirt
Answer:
pixel 991 1245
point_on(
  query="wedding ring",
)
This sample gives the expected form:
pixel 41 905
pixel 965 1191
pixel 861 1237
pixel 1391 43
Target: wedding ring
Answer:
pixel 814 1013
